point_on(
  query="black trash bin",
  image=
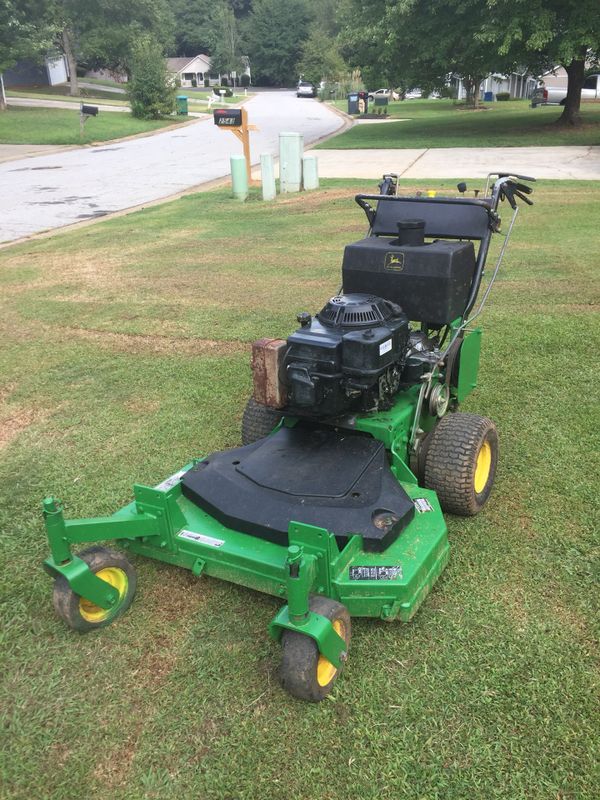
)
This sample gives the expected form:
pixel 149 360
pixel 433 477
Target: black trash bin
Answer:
pixel 353 103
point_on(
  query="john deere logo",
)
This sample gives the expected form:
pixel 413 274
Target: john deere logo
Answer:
pixel 394 261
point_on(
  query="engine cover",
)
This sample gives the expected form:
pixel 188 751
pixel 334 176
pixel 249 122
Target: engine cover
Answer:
pixel 349 358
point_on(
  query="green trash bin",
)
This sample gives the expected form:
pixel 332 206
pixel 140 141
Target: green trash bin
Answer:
pixel 182 105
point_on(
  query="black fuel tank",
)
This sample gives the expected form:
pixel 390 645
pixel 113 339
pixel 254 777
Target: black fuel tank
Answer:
pixel 430 281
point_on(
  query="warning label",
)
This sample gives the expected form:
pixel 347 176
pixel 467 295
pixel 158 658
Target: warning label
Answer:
pixel 422 505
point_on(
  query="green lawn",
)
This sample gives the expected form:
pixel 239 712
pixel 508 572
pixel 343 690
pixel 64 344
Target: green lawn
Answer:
pixel 104 98
pixel 440 123
pixel 61 92
pixel 124 352
pixel 20 125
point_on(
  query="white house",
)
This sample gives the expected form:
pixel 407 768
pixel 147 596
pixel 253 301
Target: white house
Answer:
pixel 52 72
pixel 518 84
pixel 196 70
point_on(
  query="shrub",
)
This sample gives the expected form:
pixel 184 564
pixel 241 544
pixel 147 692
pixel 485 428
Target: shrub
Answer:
pixel 206 83
pixel 227 90
pixel 224 81
pixel 150 88
pixel 503 96
pixel 245 80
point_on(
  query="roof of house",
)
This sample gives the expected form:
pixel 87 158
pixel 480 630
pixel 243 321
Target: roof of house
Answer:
pixel 179 64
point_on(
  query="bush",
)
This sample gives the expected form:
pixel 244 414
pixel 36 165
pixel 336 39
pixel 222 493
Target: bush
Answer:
pixel 150 88
pixel 206 83
pixel 503 96
pixel 245 80
pixel 226 89
pixel 224 82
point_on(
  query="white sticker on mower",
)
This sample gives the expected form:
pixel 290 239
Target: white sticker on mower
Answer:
pixel 201 538
pixel 390 573
pixel 385 347
pixel 170 482
pixel 422 505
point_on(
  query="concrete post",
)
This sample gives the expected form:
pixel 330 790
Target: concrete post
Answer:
pixel 310 173
pixel 291 147
pixel 268 176
pixel 239 177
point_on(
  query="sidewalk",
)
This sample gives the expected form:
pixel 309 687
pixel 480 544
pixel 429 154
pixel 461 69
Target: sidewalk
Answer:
pixel 579 163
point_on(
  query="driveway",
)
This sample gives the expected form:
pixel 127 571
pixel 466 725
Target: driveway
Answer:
pixel 55 190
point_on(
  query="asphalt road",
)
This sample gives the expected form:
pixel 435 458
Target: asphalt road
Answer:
pixel 51 191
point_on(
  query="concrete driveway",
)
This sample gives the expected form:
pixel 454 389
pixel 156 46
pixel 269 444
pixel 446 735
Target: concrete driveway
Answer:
pixel 55 190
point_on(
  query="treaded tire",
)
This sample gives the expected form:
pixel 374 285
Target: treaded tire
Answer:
pixel 258 421
pixel 461 462
pixel 300 665
pixel 78 613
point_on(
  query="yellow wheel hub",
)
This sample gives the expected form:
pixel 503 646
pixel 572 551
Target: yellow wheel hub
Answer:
pixel 483 467
pixel 325 669
pixel 117 578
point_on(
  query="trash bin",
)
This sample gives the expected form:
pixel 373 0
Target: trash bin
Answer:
pixel 353 103
pixel 363 102
pixel 488 97
pixel 182 105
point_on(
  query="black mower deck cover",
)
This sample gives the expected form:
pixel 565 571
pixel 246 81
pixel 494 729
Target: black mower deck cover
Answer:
pixel 320 476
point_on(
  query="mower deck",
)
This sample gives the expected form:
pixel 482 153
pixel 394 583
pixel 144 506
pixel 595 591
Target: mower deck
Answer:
pixel 390 584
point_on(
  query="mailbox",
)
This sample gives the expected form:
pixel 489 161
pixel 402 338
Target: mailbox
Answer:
pixel 90 111
pixel 228 117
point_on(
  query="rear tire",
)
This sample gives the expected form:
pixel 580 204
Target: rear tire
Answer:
pixel 304 672
pixel 461 461
pixel 258 421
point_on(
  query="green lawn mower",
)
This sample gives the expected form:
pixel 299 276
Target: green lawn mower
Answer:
pixel 352 448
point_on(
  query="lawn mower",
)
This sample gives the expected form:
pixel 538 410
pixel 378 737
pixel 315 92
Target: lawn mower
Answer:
pixel 352 448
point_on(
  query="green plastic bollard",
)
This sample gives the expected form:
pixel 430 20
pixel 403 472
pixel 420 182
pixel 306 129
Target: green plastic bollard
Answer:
pixel 239 177
pixel 291 147
pixel 268 176
pixel 310 172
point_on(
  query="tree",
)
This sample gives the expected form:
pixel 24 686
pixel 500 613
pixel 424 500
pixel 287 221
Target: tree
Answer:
pixel 151 91
pixel 565 32
pixel 193 28
pixel 321 59
pixel 275 34
pixel 24 32
pixel 224 50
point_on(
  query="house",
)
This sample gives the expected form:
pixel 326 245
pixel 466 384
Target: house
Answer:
pixel 196 71
pixel 51 72
pixel 519 85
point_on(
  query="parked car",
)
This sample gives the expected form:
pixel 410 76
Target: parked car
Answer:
pixel 414 94
pixel 306 89
pixel 391 94
pixel 556 96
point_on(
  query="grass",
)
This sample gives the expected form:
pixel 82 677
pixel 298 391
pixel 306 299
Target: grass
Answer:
pixel 20 125
pixel 104 98
pixel 439 123
pixel 124 351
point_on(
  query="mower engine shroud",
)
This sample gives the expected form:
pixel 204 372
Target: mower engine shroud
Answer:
pixel 335 500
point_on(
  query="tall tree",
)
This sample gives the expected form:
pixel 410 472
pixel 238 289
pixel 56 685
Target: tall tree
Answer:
pixel 321 59
pixel 565 32
pixel 275 35
pixel 225 54
pixel 24 32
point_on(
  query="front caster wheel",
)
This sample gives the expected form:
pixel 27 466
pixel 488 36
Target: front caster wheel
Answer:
pixel 304 672
pixel 108 565
pixel 460 464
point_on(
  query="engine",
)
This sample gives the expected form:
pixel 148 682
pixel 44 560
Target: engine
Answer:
pixel 349 358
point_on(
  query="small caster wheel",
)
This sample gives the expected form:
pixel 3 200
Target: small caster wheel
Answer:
pixel 304 672
pixel 460 464
pixel 83 615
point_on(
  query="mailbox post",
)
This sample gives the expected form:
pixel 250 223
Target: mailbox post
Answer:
pixel 85 112
pixel 236 120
